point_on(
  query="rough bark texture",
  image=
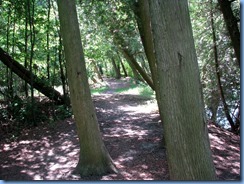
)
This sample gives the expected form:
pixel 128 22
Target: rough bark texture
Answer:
pixel 27 76
pixel 187 142
pixel 144 26
pixel 94 158
pixel 232 27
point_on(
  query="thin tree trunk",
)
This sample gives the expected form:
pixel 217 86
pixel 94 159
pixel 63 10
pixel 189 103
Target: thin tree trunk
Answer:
pixel 186 135
pixel 232 27
pixel 7 45
pixel 26 45
pixel 47 49
pixel 61 69
pixel 134 64
pixel 217 69
pixel 117 72
pixel 10 85
pixel 31 11
pixel 123 66
pixel 96 69
pixel 131 60
pixel 94 158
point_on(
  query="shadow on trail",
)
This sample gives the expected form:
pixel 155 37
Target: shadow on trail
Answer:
pixel 131 132
pixel 132 135
pixel 50 152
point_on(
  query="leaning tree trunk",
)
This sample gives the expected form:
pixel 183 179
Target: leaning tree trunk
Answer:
pixel 232 27
pixel 94 158
pixel 134 64
pixel 96 69
pixel 186 135
pixel 217 70
pixel 144 25
pixel 27 76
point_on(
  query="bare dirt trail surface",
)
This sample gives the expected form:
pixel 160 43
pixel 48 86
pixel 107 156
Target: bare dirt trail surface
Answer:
pixel 131 131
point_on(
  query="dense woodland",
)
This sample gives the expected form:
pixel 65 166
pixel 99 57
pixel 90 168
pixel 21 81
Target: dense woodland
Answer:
pixel 189 60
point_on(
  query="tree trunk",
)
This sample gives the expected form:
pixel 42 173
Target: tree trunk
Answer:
pixel 134 64
pixel 47 46
pixel 144 25
pixel 26 45
pixel 62 73
pixel 217 69
pixel 232 27
pixel 131 60
pixel 96 69
pixel 116 69
pixel 122 64
pixel 38 84
pixel 186 135
pixel 94 158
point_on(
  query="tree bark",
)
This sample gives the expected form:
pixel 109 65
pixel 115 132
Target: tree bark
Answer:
pixel 47 43
pixel 116 69
pixel 38 84
pixel 122 64
pixel 133 62
pixel 186 135
pixel 217 70
pixel 144 25
pixel 94 158
pixel 96 69
pixel 232 27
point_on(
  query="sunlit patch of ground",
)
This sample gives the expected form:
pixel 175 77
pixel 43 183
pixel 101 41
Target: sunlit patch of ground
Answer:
pixel 132 134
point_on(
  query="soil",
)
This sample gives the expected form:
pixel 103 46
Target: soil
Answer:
pixel 131 130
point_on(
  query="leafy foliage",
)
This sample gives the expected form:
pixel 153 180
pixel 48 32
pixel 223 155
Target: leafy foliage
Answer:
pixel 106 27
pixel 230 72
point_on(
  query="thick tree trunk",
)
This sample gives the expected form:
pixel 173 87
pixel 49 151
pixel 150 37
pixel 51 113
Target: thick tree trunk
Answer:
pixel 38 84
pixel 144 26
pixel 186 135
pixel 94 158
pixel 232 27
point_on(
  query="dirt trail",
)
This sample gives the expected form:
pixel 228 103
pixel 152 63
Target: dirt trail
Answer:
pixel 131 132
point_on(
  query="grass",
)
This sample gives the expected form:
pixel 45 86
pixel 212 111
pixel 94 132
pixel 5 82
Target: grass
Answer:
pixel 96 91
pixel 139 89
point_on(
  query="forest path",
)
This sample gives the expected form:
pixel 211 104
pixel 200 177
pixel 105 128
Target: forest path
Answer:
pixel 131 132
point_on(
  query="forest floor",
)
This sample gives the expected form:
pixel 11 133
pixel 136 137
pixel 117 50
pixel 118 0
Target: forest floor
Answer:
pixel 131 132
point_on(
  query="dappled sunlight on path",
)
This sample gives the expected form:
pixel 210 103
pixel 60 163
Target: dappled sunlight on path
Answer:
pixel 226 152
pixel 132 134
pixel 130 130
pixel 41 154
